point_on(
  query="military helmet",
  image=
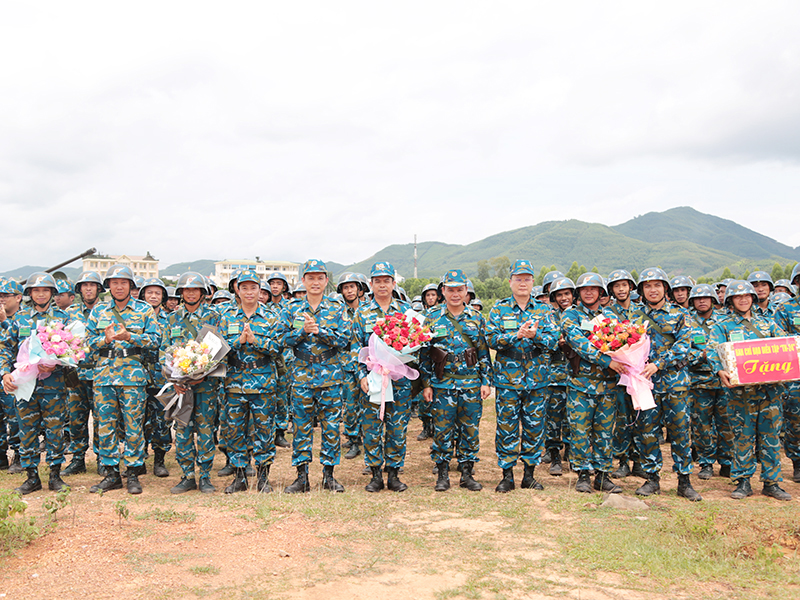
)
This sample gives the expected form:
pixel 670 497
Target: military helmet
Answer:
pixel 265 288
pixel 222 295
pixel 192 280
pixel 155 282
pixel 795 274
pixel 430 286
pixel 64 286
pixel 232 280
pixel 591 280
pixel 9 286
pixel 138 280
pixel 172 292
pixel 477 304
pixel 364 282
pixel 212 285
pixel 702 290
pixel 723 283
pixel 761 276
pixel 550 277
pixel 780 297
pixel 337 297
pixel 471 291
pixel 653 274
pixel 347 277
pixel 635 297
pixel 88 277
pixel 619 275
pixel 40 279
pixel 537 291
pixel 788 285
pixel 281 277
pixel 301 287
pixel 562 283
pixel 740 288
pixel 417 305
pixel 680 281
pixel 119 272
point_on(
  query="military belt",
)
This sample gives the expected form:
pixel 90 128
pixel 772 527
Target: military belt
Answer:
pixel 234 361
pixel 558 356
pixel 461 357
pixel 120 352
pixel 517 355
pixel 315 358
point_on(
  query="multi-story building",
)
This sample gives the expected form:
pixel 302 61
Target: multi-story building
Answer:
pixel 223 270
pixel 144 266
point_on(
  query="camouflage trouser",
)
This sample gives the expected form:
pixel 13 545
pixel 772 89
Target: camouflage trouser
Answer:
pixel 115 405
pixel 754 413
pixel 9 425
pixel 44 411
pixel 282 403
pixel 385 441
pixel 326 404
pixel 156 429
pixel 520 426
pixel 252 414
pixel 80 403
pixel 622 445
pixel 591 426
pixel 195 442
pixel 353 406
pixel 557 423
pixel 223 421
pixel 791 417
pixel 425 409
pixel 456 412
pixel 712 437
pixel 671 410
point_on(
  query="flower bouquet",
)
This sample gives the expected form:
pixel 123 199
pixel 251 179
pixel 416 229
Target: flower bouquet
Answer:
pixel 187 364
pixel 50 345
pixel 392 344
pixel 629 344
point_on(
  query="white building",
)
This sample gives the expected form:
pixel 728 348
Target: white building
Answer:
pixel 224 269
pixel 143 266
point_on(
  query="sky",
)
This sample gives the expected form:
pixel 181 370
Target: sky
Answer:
pixel 197 130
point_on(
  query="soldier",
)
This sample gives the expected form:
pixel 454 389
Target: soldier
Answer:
pixel 430 295
pixel 63 299
pixel 787 318
pixel 279 286
pixel 521 331
pixel 591 403
pixel 172 299
pixel 81 397
pixel 117 333
pixel 253 333
pixel 671 336
pixel 562 296
pixel 265 294
pixel 680 288
pixel 763 285
pixel 222 297
pixel 299 292
pixel 10 299
pixel 720 288
pixel 384 440
pixel 318 330
pixel 785 286
pixel 157 433
pixel 754 410
pixel 45 408
pixel 711 431
pixel 349 287
pixel 456 371
pixel 548 280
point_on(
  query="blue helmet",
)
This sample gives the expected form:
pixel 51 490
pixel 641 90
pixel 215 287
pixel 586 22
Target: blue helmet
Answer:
pixel 562 283
pixel 653 274
pixel 591 280
pixel 88 277
pixel 40 279
pixel 155 282
pixel 549 278
pixel 232 280
pixel 680 281
pixel 702 290
pixel 780 297
pixel 277 275
pixel 172 292
pixel 740 288
pixel 788 285
pixel 619 275
pixel 265 288
pixel 222 296
pixel 191 280
pixel 119 272
pixel 301 287
pixel 347 278
pixel 761 276
pixel 795 274
pixel 138 280
pixel 477 304
pixel 537 291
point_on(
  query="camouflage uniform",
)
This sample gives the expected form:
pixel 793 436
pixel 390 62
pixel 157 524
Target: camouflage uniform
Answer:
pixel 194 443
pixel 622 445
pixel 317 376
pixel 521 373
pixel 81 401
pixel 120 378
pixel 45 409
pixel 456 396
pixel 354 405
pixel 787 317
pixel 9 424
pixel 156 429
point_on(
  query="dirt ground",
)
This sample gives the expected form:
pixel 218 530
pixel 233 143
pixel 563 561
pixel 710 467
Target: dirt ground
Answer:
pixel 249 545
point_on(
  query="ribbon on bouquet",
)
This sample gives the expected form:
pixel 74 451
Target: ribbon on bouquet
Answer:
pixel 385 364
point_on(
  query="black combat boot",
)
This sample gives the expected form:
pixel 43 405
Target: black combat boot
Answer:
pixel 112 481
pixel 528 480
pixel 773 490
pixel 186 484
pixel 159 469
pixel 603 483
pixel 55 483
pixel 467 480
pixel 15 466
pixel 355 450
pixel 706 472
pixel 134 487
pixel 584 484
pixel 32 483
pixel 424 433
pixel 623 470
pixel 248 469
pixel 638 471
pixel 555 462
pixel 328 481
pixel 651 486
pixel 280 439
pixel 507 482
pixel 743 489
pixel 796 471
pixel 262 483
pixel 393 481
pixel 228 468
pixel 102 470
pixel 75 466
pixel 4 464
pixel 299 485
pixel 686 490
pixel 443 477
pixel 724 470
pixel 239 483
pixel 376 483
pixel 205 486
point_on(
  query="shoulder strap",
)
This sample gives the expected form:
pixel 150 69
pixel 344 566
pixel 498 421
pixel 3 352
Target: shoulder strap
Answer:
pixel 753 328
pixel 654 325
pixel 460 329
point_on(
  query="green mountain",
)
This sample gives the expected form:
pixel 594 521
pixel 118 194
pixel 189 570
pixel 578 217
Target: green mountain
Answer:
pixel 686 251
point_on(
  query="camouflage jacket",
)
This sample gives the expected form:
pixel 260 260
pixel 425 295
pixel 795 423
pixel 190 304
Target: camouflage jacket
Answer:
pixel 182 326
pixel 252 368
pixel 447 337
pixel 141 323
pixel 521 364
pixel 350 359
pixel 559 365
pixel 701 370
pixel 669 347
pixel 21 326
pixel 594 375
pixel 366 316
pixel 325 367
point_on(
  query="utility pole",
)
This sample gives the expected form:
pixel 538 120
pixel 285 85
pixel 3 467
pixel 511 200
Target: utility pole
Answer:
pixel 415 256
